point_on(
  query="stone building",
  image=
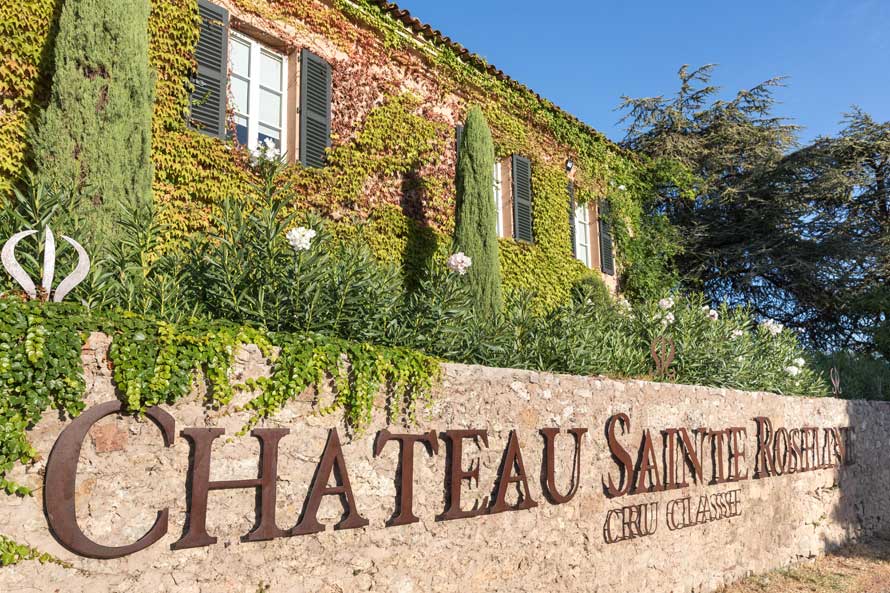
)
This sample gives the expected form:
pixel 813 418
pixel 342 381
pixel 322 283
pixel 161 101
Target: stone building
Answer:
pixel 303 78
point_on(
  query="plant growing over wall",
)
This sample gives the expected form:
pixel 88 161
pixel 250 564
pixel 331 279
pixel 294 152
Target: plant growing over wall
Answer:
pixel 95 134
pixel 40 368
pixel 12 553
pixel 475 221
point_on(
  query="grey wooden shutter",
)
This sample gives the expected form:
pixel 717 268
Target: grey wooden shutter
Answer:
pixel 607 258
pixel 208 98
pixel 458 138
pixel 315 109
pixel 571 190
pixel 522 199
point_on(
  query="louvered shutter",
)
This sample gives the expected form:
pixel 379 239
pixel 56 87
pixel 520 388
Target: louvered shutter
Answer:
pixel 458 137
pixel 315 109
pixel 607 258
pixel 208 98
pixel 571 190
pixel 522 199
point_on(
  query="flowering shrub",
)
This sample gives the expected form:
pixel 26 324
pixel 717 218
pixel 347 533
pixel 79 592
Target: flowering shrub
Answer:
pixel 459 263
pixel 284 271
pixel 300 238
pixel 267 269
pixel 723 346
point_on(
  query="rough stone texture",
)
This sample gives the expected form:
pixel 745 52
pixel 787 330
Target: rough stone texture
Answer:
pixel 120 488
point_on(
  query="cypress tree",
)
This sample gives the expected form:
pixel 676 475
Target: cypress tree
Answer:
pixel 95 135
pixel 475 232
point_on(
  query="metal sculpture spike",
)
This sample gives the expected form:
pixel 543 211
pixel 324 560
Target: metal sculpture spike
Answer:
pixel 663 352
pixel 835 382
pixel 7 257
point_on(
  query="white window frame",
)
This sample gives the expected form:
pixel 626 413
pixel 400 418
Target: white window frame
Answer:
pixel 498 190
pixel 257 49
pixel 582 234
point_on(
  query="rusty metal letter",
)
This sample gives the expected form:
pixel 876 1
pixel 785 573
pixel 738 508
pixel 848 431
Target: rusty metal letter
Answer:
pixel 331 462
pixel 550 490
pixel 61 475
pixel 196 535
pixel 405 514
pixel 512 460
pixel 456 474
pixel 765 465
pixel 620 455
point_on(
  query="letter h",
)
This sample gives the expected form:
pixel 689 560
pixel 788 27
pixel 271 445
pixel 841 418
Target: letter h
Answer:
pixel 202 439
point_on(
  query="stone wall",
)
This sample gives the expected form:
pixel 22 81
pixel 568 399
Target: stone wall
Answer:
pixel 126 475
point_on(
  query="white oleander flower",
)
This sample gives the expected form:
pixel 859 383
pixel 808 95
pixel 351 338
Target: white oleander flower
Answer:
pixel 713 315
pixel 300 238
pixel 667 303
pixel 459 263
pixel 622 188
pixel 772 326
pixel 737 333
pixel 667 319
pixel 270 148
pixel 267 150
pixel 792 370
pixel 624 304
pixel 800 362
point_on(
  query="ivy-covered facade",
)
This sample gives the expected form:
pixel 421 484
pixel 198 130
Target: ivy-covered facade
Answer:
pixel 366 103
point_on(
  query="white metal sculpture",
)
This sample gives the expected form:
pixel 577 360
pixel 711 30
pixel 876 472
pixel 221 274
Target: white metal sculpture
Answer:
pixel 7 256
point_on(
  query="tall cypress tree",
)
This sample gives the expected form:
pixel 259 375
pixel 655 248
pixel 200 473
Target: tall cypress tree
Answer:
pixel 95 135
pixel 475 232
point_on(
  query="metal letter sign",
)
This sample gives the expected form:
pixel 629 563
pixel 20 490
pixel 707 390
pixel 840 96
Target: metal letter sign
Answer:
pixel 7 256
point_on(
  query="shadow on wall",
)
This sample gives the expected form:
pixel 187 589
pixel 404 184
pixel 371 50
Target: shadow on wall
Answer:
pixel 862 489
pixel 420 243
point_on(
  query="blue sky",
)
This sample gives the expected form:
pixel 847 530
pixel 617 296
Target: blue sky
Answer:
pixel 585 54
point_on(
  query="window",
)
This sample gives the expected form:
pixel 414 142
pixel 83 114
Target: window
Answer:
pixel 257 83
pixel 582 234
pixel 498 199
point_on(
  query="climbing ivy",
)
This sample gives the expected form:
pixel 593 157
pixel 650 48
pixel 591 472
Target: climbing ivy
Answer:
pixel 26 31
pixel 392 147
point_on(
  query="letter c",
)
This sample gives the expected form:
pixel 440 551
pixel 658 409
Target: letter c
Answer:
pixel 61 475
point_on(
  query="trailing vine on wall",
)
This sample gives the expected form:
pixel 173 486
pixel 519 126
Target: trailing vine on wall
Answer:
pixel 40 363
pixel 156 362
pixel 12 553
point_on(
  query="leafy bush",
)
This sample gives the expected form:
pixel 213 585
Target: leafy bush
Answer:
pixel 862 376
pixel 283 271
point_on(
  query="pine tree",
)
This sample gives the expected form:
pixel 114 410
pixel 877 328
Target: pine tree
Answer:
pixel 95 135
pixel 475 232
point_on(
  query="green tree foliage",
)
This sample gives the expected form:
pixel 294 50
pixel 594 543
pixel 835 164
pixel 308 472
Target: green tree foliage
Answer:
pixel 95 135
pixel 727 145
pixel 800 235
pixel 475 232
pixel 838 222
